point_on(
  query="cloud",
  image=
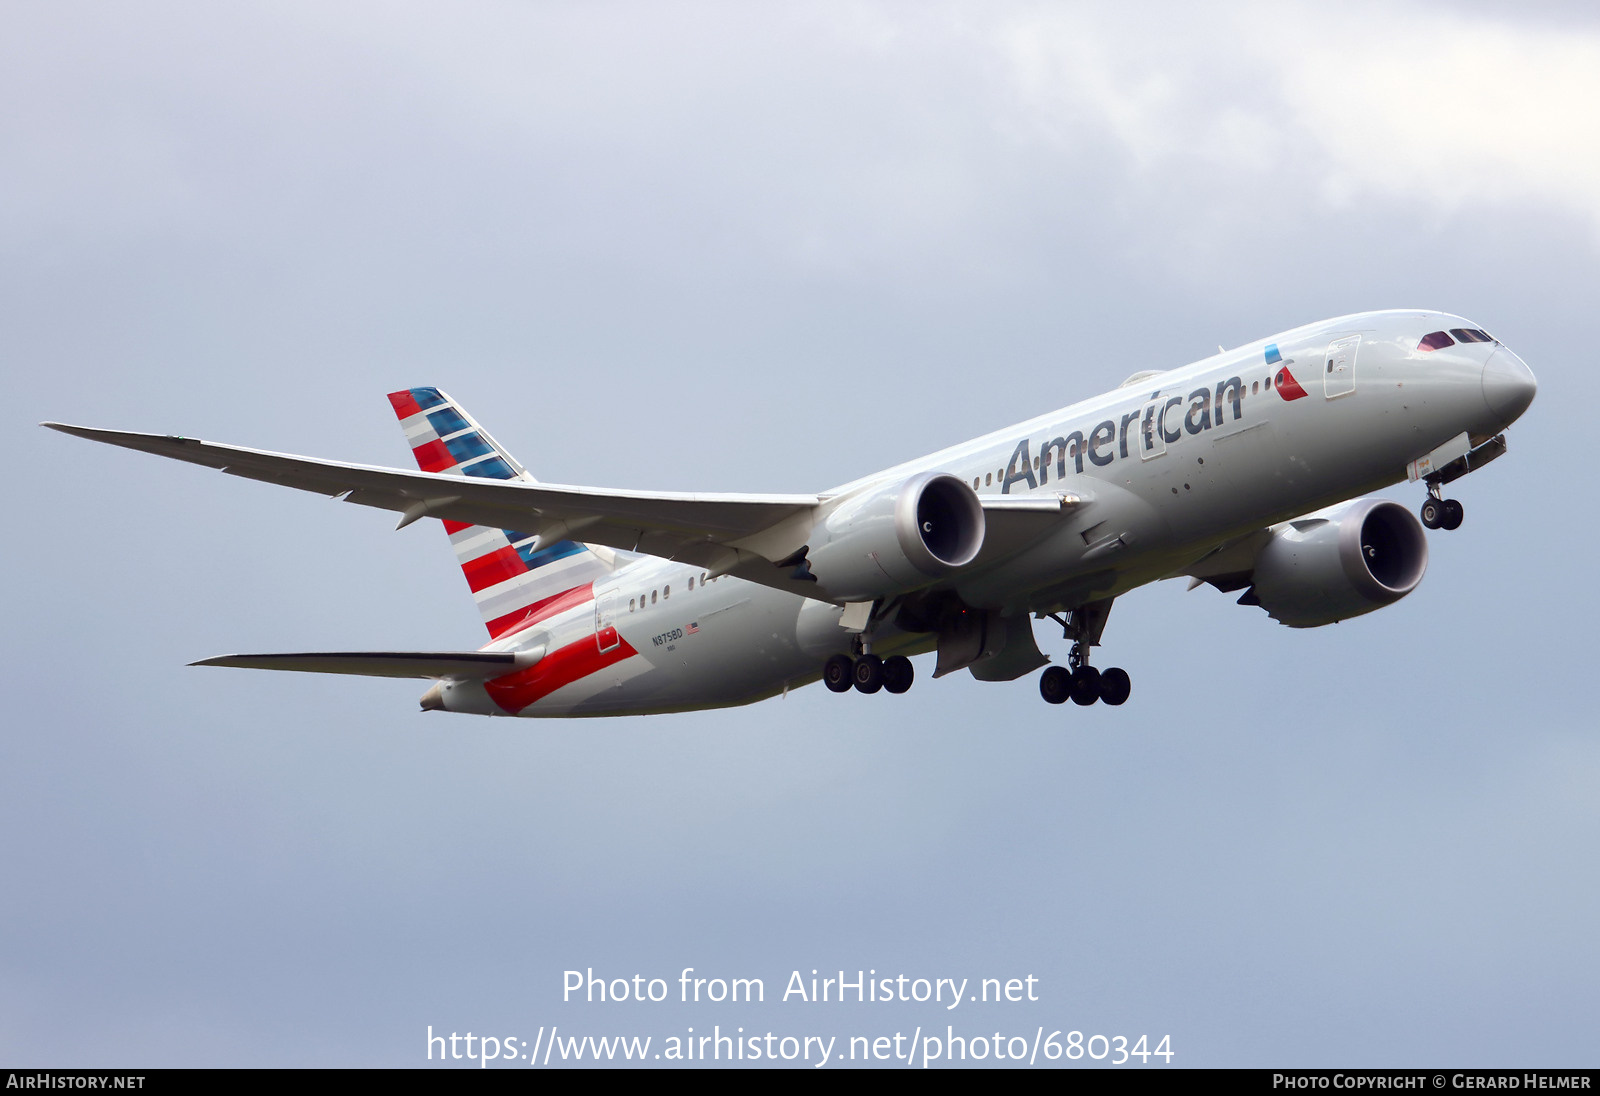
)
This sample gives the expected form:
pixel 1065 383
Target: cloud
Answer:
pixel 1440 110
pixel 1457 111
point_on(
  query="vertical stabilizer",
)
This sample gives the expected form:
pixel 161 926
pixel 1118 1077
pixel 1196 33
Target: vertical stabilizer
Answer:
pixel 513 584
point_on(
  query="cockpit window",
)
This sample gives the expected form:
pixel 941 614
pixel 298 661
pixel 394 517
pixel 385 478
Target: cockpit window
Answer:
pixel 1470 334
pixel 1436 340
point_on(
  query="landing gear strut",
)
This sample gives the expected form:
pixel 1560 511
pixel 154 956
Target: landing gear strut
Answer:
pixel 1441 513
pixel 1079 681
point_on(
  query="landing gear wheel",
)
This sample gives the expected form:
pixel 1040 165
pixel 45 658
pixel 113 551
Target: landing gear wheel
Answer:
pixel 1433 513
pixel 869 674
pixel 836 673
pixel 1085 685
pixel 898 673
pixel 1453 513
pixel 1115 686
pixel 1055 685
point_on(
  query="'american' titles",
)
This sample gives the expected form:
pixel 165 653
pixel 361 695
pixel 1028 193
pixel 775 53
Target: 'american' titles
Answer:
pixel 1154 427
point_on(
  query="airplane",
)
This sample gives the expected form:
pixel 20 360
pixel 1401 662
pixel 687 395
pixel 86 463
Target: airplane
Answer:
pixel 1247 471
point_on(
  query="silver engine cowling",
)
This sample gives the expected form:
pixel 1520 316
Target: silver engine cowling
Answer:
pixel 896 538
pixel 1326 568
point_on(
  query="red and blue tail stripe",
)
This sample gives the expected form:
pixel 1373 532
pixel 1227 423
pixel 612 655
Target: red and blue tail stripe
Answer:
pixel 513 584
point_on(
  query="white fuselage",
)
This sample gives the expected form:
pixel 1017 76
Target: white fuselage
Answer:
pixel 1169 467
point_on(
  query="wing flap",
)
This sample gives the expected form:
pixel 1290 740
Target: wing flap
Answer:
pixel 423 664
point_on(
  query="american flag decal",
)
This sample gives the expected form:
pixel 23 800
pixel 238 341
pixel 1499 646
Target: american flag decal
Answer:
pixel 692 628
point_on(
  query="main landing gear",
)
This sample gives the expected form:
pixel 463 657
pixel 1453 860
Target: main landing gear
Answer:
pixel 1078 681
pixel 1083 684
pixel 868 674
pixel 1441 513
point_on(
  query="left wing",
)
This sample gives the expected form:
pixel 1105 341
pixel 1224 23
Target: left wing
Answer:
pixel 717 531
pixel 740 534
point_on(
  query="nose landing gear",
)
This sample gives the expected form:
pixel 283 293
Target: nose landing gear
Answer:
pixel 1441 513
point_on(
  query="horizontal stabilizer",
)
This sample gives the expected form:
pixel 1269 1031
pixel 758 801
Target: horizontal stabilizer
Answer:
pixel 425 664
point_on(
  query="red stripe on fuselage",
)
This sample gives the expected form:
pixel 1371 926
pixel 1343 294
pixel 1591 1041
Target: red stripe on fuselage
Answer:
pixel 573 662
pixel 404 406
pixel 540 610
pixel 493 568
pixel 433 457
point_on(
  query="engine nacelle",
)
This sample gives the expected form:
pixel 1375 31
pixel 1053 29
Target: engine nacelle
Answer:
pixel 896 538
pixel 1355 560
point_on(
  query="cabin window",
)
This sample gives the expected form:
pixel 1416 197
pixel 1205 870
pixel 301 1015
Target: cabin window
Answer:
pixel 988 478
pixel 666 591
pixel 630 604
pixel 652 597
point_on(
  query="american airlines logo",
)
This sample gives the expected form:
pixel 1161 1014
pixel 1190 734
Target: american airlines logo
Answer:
pixel 1160 422
pixel 1287 386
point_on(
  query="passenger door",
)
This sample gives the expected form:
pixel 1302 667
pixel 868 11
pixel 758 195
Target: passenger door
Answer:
pixel 1339 368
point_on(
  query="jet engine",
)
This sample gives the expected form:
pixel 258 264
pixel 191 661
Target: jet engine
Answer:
pixel 896 538
pixel 1324 569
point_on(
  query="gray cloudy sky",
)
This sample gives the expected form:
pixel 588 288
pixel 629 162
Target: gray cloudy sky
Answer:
pixel 728 247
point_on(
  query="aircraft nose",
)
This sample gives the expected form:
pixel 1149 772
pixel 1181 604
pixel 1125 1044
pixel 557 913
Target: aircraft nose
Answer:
pixel 1508 385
